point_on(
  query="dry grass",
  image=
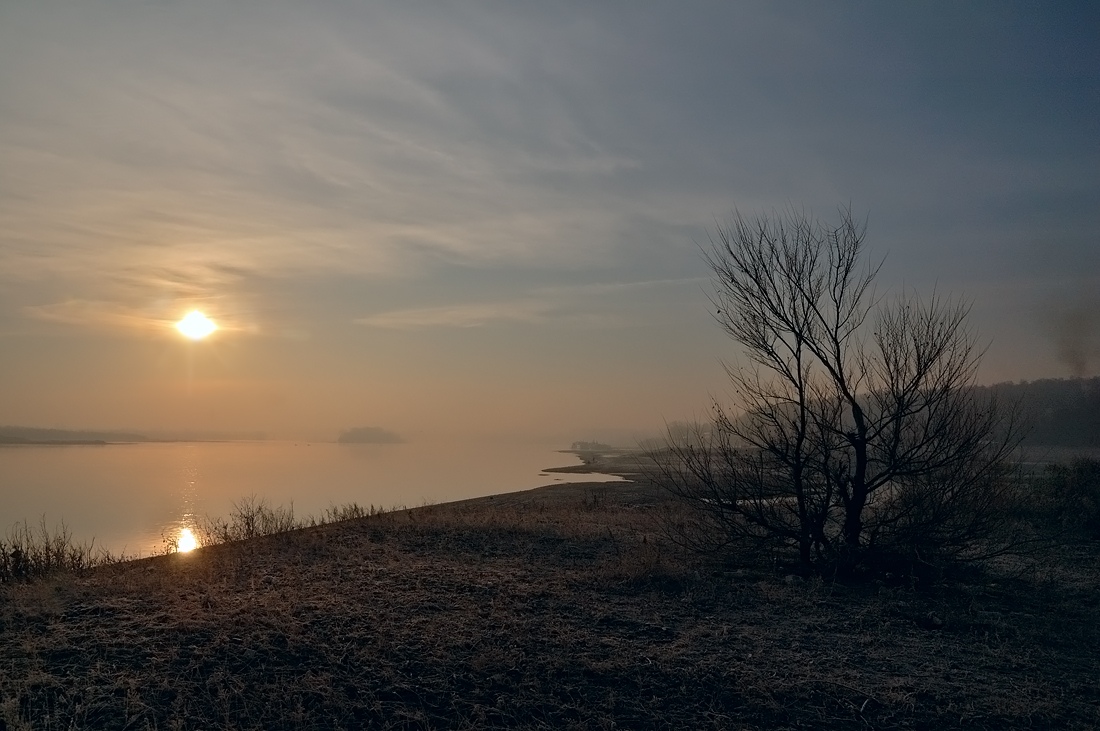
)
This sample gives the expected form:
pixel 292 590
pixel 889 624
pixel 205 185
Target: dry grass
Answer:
pixel 29 553
pixel 555 608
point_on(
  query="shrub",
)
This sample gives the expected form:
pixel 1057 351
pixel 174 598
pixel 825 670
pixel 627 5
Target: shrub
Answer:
pixel 1067 499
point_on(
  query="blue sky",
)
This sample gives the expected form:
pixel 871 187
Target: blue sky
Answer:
pixel 485 217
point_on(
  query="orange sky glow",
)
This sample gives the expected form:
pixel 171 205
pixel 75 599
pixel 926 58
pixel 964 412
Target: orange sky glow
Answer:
pixel 490 223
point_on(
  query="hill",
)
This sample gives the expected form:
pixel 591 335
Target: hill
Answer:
pixel 1058 412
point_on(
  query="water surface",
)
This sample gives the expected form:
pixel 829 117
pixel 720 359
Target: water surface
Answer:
pixel 130 497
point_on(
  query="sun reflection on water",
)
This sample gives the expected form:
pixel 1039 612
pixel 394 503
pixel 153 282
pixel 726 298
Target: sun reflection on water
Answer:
pixel 186 541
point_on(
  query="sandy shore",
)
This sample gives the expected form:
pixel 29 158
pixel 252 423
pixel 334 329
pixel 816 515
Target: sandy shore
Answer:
pixel 559 607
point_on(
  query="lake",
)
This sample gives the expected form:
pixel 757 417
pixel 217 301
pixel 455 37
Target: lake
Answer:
pixel 130 497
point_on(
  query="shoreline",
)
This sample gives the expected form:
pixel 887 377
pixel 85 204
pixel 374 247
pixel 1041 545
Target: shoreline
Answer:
pixel 79 484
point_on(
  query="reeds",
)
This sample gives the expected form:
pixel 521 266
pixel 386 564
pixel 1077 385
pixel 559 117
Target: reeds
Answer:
pixel 31 552
pixel 253 517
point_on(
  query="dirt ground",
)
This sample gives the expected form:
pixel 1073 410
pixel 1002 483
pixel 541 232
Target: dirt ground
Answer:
pixel 558 608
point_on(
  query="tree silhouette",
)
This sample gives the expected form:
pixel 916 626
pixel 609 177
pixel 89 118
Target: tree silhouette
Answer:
pixel 857 425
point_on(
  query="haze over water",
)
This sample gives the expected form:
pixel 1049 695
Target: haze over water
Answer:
pixel 129 497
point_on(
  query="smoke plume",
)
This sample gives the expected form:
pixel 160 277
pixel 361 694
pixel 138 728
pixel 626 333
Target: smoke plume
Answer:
pixel 1075 329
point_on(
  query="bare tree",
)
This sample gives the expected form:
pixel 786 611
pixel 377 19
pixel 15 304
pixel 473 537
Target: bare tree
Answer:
pixel 858 426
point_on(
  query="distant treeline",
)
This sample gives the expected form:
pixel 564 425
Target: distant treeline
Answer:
pixel 1057 412
pixel 33 435
pixel 592 446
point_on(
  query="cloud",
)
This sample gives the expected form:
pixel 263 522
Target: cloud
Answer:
pixel 159 317
pixel 95 314
pixel 145 296
pixel 463 316
pixel 331 149
pixel 603 288
pixel 578 305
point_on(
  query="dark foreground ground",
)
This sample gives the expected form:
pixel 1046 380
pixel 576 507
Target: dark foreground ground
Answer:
pixel 555 608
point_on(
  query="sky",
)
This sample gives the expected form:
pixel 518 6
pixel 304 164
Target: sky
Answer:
pixel 486 219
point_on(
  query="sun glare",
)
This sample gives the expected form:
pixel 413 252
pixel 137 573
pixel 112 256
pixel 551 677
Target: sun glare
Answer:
pixel 196 325
pixel 187 541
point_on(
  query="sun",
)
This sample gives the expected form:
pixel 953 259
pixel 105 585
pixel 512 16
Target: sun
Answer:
pixel 196 325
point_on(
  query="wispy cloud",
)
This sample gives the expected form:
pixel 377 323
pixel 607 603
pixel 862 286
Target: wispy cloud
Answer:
pixel 152 318
pixel 463 316
pixel 362 160
pixel 578 305
pixel 600 288
pixel 97 314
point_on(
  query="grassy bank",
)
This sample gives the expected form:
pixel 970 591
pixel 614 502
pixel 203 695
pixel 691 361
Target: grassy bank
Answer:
pixel 554 608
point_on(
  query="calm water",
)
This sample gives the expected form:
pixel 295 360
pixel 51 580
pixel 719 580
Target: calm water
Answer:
pixel 129 497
